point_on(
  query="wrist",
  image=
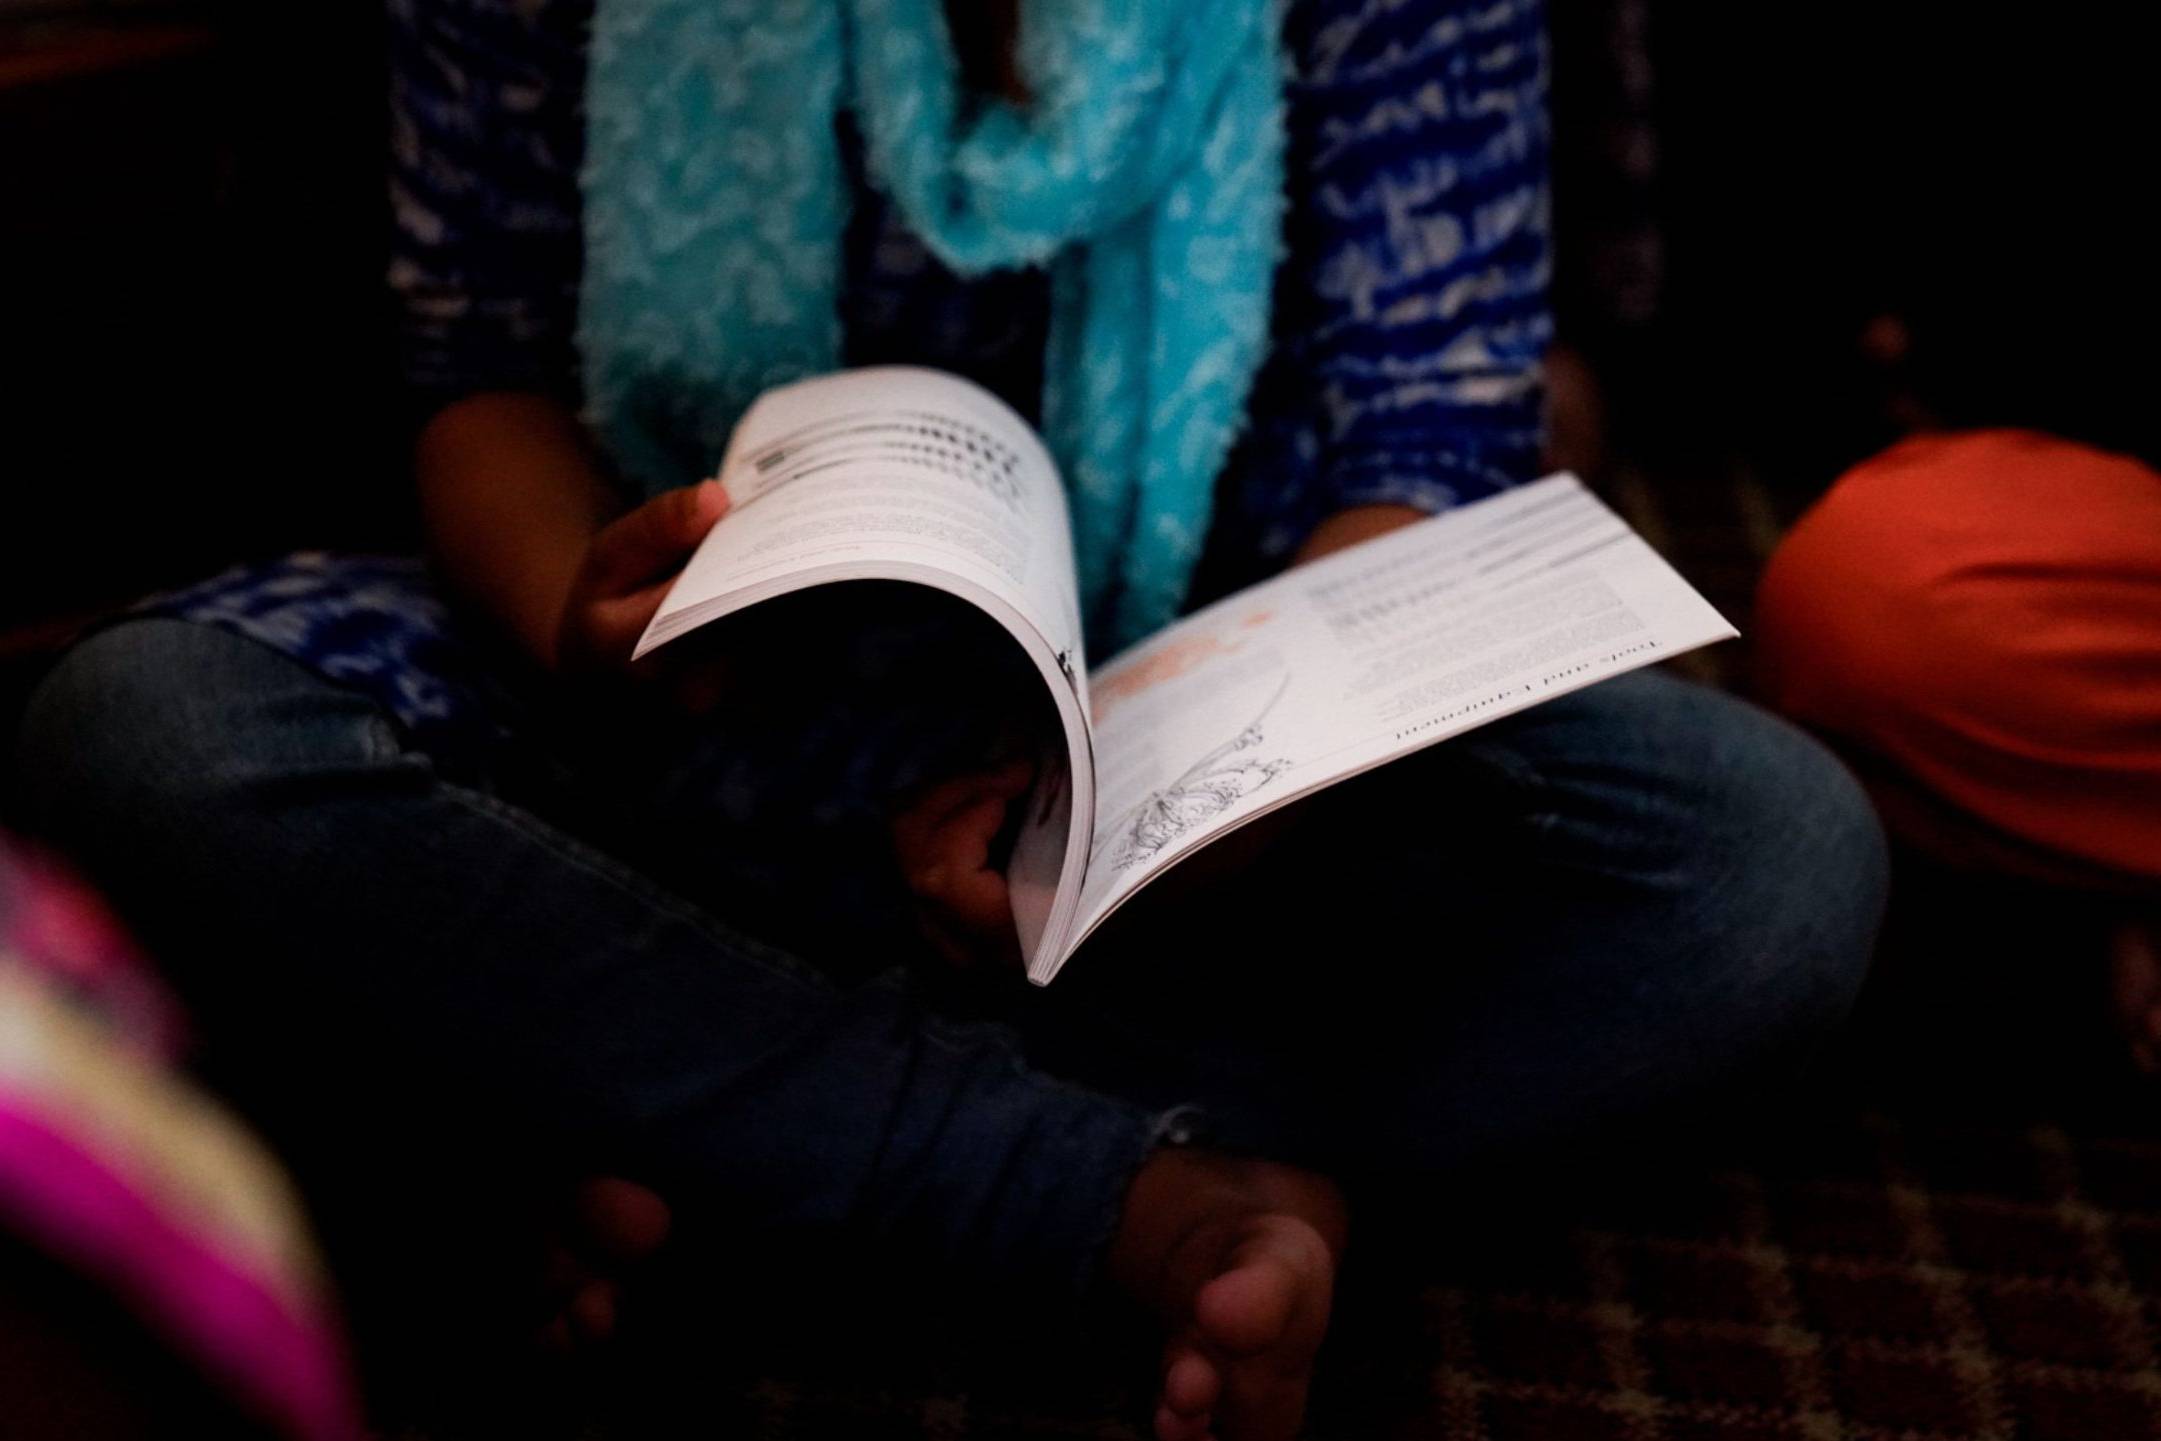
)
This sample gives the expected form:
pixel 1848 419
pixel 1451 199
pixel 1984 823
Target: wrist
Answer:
pixel 511 498
pixel 1352 525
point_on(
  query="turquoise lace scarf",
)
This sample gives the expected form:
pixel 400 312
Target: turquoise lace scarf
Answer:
pixel 1146 173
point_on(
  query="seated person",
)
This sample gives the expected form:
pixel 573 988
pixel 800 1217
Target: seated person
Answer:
pixel 434 827
pixel 1974 616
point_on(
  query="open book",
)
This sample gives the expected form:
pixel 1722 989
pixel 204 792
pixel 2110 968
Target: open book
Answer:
pixel 1269 695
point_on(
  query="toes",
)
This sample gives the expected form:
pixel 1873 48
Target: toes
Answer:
pixel 1266 1316
pixel 593 1312
pixel 1191 1383
pixel 561 1274
pixel 622 1220
pixel 562 1277
pixel 555 1337
pixel 1247 1310
pixel 1170 1426
pixel 1258 1302
pixel 608 1225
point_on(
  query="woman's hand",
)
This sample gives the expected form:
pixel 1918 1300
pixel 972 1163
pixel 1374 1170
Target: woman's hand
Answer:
pixel 946 845
pixel 627 570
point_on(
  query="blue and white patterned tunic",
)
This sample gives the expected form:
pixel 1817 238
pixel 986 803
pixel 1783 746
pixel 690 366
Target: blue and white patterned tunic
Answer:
pixel 1410 317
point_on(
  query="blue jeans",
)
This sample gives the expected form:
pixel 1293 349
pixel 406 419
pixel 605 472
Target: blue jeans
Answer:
pixel 1622 900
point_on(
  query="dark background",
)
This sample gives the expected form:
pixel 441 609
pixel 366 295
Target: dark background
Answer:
pixel 192 328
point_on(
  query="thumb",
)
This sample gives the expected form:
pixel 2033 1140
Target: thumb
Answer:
pixel 1012 780
pixel 655 539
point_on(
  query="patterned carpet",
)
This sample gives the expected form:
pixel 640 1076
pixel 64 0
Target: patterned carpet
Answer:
pixel 1909 1283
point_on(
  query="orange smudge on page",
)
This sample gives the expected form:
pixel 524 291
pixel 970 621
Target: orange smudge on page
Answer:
pixel 1174 660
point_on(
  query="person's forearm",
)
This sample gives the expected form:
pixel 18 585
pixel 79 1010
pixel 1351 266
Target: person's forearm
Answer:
pixel 511 495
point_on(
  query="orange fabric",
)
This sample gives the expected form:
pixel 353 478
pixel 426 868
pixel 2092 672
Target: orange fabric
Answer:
pixel 1981 613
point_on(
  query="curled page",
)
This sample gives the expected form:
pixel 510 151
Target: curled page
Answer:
pixel 898 473
pixel 848 476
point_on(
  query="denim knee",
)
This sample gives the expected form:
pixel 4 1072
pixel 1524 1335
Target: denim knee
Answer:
pixel 148 720
pixel 1794 857
pixel 93 736
pixel 1743 856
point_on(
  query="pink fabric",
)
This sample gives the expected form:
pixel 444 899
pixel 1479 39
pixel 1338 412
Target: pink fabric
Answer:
pixel 276 1352
pixel 58 1197
pixel 55 923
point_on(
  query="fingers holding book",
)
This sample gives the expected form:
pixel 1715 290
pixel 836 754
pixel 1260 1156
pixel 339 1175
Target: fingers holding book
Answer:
pixel 951 844
pixel 626 573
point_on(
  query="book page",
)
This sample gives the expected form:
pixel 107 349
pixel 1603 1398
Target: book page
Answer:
pixel 887 472
pixel 1364 656
pixel 900 473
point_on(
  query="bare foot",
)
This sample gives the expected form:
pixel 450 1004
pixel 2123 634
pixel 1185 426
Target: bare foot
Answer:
pixel 1239 1257
pixel 612 1225
pixel 2135 986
